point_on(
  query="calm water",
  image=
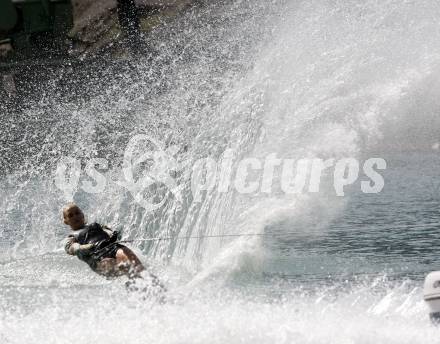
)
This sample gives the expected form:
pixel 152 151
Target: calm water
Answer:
pixel 395 232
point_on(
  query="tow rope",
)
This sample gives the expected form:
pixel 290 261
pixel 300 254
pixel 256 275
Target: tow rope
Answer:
pixel 262 234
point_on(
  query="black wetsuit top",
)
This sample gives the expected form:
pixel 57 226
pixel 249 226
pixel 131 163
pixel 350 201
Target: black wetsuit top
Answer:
pixel 91 234
pixel 106 244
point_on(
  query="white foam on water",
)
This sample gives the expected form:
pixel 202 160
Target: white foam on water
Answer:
pixel 358 314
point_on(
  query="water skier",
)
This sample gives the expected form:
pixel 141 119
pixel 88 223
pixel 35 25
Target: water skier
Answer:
pixel 98 246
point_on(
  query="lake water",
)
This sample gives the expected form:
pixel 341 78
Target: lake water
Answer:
pixel 312 79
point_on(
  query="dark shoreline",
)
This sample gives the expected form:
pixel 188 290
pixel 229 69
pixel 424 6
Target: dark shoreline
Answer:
pixel 91 62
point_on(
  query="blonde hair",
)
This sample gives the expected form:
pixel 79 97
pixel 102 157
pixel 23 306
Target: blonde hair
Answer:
pixel 70 206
